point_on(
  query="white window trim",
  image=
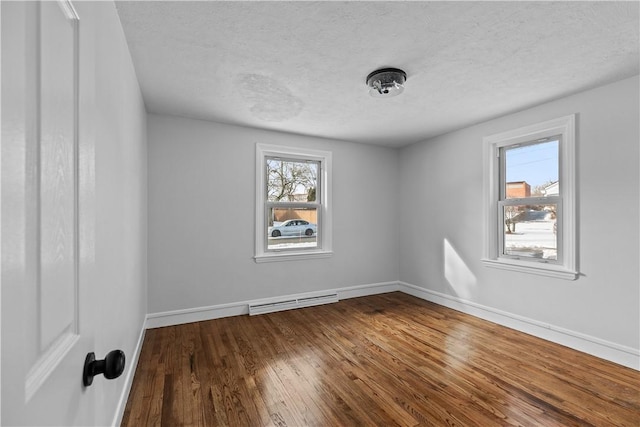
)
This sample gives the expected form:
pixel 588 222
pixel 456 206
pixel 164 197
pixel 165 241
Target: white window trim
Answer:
pixel 324 217
pixel 567 268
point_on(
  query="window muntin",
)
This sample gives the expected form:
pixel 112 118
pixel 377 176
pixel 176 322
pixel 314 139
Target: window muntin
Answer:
pixel 293 216
pixel 542 212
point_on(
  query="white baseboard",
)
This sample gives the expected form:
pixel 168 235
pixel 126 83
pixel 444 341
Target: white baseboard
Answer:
pixel 198 314
pixel 133 364
pixel 365 290
pixel 603 349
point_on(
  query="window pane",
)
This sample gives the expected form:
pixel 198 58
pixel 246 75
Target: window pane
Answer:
pixel 292 228
pixel 291 180
pixel 531 170
pixel 530 231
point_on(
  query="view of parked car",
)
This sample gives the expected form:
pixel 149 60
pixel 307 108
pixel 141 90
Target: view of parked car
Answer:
pixel 293 227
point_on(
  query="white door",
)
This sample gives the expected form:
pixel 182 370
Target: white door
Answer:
pixel 46 242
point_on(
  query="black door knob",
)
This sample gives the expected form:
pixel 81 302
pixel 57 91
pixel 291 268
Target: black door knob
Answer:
pixel 111 366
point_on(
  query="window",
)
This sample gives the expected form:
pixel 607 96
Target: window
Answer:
pixel 525 206
pixel 293 217
pixel 529 193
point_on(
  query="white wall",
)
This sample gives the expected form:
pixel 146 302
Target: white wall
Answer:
pixel 113 129
pixel 202 208
pixel 441 200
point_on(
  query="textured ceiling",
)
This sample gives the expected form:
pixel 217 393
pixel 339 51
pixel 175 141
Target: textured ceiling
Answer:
pixel 301 66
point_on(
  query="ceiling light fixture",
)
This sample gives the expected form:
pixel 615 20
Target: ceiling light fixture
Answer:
pixel 386 82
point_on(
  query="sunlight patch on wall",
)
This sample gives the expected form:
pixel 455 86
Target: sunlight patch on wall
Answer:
pixel 459 276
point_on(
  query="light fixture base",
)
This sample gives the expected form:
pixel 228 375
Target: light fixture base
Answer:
pixel 386 82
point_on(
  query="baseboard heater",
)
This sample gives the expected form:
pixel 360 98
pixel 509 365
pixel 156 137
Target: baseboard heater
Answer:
pixel 291 303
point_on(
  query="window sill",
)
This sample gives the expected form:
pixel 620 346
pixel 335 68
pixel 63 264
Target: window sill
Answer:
pixel 541 269
pixel 291 256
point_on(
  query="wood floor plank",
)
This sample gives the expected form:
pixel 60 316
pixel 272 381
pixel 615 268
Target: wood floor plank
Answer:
pixel 355 389
pixel 463 384
pixel 148 413
pixel 305 387
pixel 311 365
pixel 385 360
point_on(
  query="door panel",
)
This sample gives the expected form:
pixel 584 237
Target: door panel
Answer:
pixel 58 229
pixel 44 339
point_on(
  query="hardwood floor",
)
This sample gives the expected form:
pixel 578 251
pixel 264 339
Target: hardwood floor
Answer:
pixel 387 360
